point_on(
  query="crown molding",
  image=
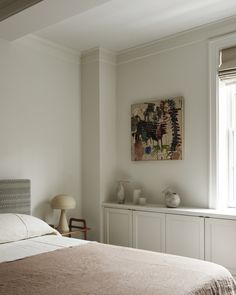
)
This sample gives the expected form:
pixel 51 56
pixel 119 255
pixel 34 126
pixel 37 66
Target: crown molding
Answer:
pixel 98 54
pixel 51 48
pixel 186 38
pixel 178 40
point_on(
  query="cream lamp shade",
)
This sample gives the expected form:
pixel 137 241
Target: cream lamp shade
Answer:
pixel 63 202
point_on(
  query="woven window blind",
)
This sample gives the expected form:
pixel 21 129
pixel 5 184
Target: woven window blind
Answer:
pixel 227 67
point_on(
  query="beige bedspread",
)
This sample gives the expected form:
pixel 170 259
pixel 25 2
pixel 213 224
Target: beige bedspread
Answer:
pixel 103 269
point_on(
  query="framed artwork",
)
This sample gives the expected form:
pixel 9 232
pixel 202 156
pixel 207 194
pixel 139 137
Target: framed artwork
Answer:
pixel 157 130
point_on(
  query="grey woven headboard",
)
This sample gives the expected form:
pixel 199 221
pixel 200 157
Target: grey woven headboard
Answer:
pixel 15 196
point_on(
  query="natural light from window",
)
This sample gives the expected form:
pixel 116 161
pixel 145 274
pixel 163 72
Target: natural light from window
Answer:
pixel 227 143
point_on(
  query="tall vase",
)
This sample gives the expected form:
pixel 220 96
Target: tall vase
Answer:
pixel 121 193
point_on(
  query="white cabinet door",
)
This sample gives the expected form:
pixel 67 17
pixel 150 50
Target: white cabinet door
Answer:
pixel 118 227
pixel 149 231
pixel 185 235
pixel 220 242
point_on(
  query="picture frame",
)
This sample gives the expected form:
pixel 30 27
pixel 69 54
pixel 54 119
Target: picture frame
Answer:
pixel 157 130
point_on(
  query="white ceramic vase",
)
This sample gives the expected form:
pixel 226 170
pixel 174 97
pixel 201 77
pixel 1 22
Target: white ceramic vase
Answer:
pixel 136 195
pixel 121 193
pixel 172 200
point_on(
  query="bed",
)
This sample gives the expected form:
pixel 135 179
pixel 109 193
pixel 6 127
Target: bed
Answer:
pixel 36 260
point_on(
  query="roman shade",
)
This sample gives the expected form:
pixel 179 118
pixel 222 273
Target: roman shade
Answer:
pixel 227 66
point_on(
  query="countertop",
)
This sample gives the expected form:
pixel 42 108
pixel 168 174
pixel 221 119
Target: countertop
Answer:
pixel 229 213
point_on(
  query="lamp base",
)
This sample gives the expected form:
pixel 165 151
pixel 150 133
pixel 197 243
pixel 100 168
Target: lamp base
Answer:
pixel 63 224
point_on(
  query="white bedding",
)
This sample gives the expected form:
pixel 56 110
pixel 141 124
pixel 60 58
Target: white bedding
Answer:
pixel 25 248
pixel 16 227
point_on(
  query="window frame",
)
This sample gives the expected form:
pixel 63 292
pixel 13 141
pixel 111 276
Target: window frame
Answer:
pixel 215 45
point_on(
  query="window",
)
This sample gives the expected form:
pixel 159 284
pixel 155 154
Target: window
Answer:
pixel 227 144
pixel 222 152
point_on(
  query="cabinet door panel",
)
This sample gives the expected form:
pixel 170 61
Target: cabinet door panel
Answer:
pixel 118 227
pixel 220 237
pixel 185 236
pixel 149 231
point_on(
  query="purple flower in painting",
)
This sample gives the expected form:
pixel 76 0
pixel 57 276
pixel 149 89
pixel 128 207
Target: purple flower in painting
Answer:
pixel 148 150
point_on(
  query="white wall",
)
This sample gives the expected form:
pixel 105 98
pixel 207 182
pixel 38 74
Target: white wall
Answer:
pixel 108 135
pixel 99 134
pixel 40 120
pixel 107 123
pixel 91 145
pixel 178 72
pixel 172 67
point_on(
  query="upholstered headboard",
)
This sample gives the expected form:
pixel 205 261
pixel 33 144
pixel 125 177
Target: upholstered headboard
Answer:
pixel 15 196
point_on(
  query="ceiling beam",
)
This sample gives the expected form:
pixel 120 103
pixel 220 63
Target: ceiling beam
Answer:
pixel 11 7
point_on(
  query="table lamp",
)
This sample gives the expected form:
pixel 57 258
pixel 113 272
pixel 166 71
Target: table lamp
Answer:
pixel 63 202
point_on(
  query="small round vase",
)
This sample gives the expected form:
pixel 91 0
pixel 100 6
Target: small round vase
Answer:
pixel 136 195
pixel 172 200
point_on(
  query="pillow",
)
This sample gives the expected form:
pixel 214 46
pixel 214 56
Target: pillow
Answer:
pixel 15 227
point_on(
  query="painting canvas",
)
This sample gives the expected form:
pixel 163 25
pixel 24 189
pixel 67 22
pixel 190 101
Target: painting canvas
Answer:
pixel 157 130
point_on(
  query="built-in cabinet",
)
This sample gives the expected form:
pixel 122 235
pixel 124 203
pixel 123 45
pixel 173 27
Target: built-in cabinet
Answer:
pixel 185 235
pixel 220 241
pixel 118 227
pixel 181 232
pixel 149 231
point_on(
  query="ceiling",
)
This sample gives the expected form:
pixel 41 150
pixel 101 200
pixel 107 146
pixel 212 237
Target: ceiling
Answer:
pixel 39 16
pixel 120 24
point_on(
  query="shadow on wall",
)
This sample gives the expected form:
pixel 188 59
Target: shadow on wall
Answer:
pixel 43 210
